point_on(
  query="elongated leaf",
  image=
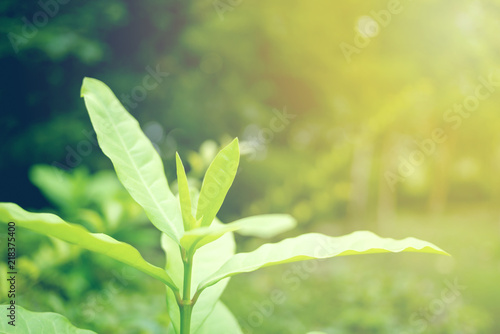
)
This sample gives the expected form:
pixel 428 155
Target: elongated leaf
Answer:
pixel 201 236
pixel 184 197
pixel 37 322
pixel 206 261
pixel 134 158
pixel 264 226
pixel 51 225
pixel 220 321
pixel 217 181
pixel 317 246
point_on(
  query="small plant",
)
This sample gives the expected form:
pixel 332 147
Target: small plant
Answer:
pixel 200 250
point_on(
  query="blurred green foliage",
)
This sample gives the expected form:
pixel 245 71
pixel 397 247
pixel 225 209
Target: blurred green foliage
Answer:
pixel 234 67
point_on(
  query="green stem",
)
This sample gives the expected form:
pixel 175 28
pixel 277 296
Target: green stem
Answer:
pixel 186 304
pixel 186 311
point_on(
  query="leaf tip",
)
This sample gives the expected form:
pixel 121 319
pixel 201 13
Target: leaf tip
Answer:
pixel 236 142
pixel 86 81
pixel 443 252
pixel 178 162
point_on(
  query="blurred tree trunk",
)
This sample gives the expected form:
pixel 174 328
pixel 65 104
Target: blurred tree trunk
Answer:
pixel 360 182
pixel 495 179
pixel 387 196
pixel 438 196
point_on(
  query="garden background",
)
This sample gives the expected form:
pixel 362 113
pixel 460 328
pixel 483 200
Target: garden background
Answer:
pixel 380 115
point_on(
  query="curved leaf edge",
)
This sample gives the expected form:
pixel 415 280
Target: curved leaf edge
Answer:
pixel 102 243
pixel 322 245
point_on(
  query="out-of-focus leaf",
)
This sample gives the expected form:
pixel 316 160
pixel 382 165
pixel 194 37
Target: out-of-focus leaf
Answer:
pixel 264 226
pixel 38 322
pixel 93 218
pixel 103 185
pixel 54 183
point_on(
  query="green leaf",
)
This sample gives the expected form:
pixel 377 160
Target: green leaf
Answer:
pixel 53 226
pixel 175 269
pixel 317 246
pixel 205 262
pixel 184 197
pixel 263 226
pixel 37 322
pixel 134 158
pixel 55 184
pixel 220 321
pixel 216 183
pixel 201 236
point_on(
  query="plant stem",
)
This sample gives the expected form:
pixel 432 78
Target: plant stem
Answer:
pixel 186 311
pixel 186 305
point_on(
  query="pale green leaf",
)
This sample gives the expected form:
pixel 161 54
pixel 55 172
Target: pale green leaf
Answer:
pixel 317 246
pixel 220 321
pixel 55 184
pixel 184 197
pixel 175 269
pixel 37 323
pixel 263 226
pixel 53 226
pixel 205 262
pixel 201 236
pixel 217 181
pixel 137 164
